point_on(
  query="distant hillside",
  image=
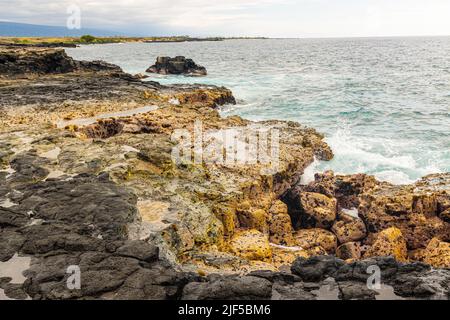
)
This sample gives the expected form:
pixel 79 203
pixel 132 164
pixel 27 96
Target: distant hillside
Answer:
pixel 13 29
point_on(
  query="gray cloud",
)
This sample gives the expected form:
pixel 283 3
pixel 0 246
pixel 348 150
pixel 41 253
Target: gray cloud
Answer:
pixel 122 14
pixel 283 18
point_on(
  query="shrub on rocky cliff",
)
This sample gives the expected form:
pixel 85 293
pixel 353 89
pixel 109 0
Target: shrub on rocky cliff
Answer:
pixel 87 39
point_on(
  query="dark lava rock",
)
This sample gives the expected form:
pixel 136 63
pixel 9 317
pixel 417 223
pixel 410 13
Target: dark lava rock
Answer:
pixel 4 281
pixel 18 61
pixel 11 218
pixel 10 243
pixel 15 291
pixel 177 65
pixel 23 61
pixel 295 291
pixel 316 268
pixel 276 276
pixel 85 201
pixel 355 291
pixel 140 250
pixel 28 168
pixel 229 288
pixel 97 65
pixel 359 270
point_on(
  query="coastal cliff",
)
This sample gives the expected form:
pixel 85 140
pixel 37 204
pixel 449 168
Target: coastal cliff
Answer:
pixel 88 178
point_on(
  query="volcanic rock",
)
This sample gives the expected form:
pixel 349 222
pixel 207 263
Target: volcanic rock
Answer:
pixel 311 238
pixel 389 242
pixel 177 65
pixel 349 229
pixel 251 244
pixel 318 210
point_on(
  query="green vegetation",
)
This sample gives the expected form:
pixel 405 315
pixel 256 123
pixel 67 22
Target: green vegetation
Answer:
pixel 87 39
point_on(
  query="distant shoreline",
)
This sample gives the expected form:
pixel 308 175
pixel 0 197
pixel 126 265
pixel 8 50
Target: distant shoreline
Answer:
pixel 72 42
pixel 88 39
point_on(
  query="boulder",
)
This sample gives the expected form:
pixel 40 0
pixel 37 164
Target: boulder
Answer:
pixel 317 209
pixel 324 183
pixel 349 229
pixel 417 210
pixel 311 238
pixel 349 251
pixel 350 290
pixel 294 291
pixel 229 288
pixel 316 268
pixel 389 242
pixel 280 224
pixel 177 65
pixel 251 244
pixel 349 188
pixel 437 254
pixel 420 229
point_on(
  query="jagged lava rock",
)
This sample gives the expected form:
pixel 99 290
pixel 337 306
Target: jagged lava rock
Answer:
pixel 349 251
pixel 414 209
pixel 280 224
pixel 318 210
pixel 316 268
pixel 177 65
pixel 229 288
pixel 311 238
pixel 349 229
pixel 23 62
pixel 437 253
pixel 389 242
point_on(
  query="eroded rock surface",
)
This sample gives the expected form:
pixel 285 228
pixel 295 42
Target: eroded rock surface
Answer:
pixel 177 65
pixel 377 218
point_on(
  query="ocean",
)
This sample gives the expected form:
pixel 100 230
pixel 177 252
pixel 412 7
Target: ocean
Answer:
pixel 382 103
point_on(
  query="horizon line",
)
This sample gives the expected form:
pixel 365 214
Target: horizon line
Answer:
pixel 124 34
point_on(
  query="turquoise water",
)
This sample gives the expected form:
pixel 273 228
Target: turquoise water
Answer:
pixel 383 104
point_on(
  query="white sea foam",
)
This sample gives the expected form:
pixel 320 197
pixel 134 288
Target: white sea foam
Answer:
pixel 354 155
pixel 310 171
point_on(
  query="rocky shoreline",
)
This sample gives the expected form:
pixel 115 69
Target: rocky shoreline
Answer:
pixel 87 179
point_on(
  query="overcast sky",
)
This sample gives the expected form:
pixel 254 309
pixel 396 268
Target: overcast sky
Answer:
pixel 271 18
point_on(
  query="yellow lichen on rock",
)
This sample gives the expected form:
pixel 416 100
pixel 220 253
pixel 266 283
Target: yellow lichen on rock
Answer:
pixel 389 242
pixel 251 245
pixel 285 256
pixel 311 238
pixel 349 229
pixel 227 215
pixel 320 209
pixel 254 219
pixel 437 253
pixel 280 224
